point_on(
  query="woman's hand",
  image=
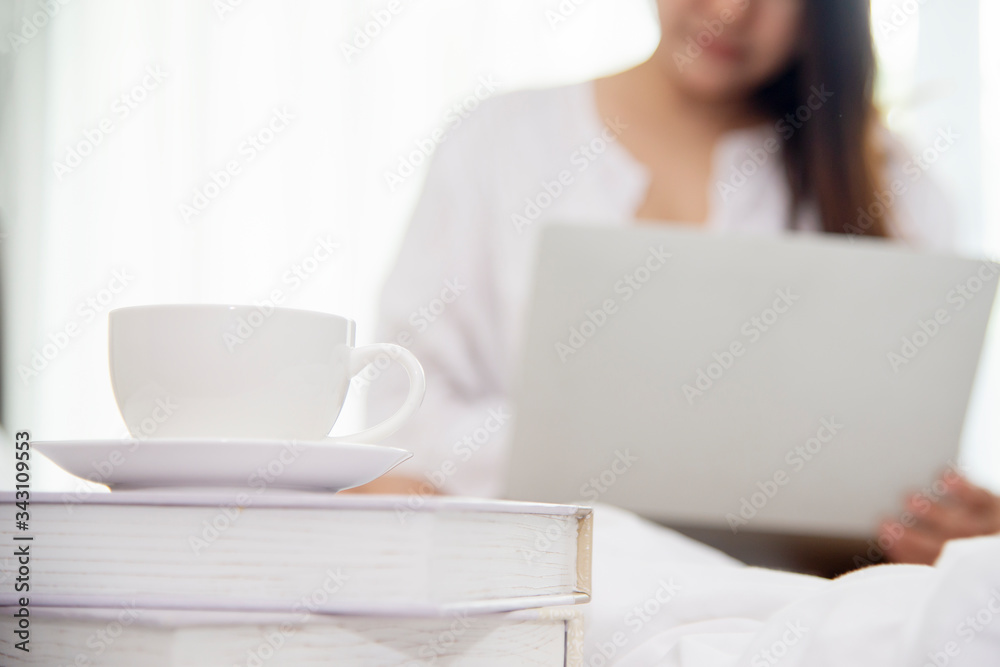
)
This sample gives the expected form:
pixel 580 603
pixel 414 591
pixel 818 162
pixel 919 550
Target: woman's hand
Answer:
pixel 964 510
pixel 396 484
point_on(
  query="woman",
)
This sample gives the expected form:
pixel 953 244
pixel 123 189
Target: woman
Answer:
pixel 750 116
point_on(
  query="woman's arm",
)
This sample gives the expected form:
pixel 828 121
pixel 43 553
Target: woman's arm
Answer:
pixel 439 301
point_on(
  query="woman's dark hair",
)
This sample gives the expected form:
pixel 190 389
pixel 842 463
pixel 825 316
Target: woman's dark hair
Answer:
pixel 832 158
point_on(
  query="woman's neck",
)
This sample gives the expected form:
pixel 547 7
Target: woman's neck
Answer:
pixel 672 133
pixel 653 97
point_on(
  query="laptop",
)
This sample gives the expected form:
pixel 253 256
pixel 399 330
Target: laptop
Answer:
pixel 774 396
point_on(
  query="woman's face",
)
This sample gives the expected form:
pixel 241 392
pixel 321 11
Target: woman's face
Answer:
pixel 725 49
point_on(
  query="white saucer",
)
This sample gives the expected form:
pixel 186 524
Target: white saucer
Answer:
pixel 326 465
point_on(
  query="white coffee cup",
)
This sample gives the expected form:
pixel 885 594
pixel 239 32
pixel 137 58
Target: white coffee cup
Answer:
pixel 215 371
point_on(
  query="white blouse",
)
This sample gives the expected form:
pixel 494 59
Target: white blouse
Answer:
pixel 458 292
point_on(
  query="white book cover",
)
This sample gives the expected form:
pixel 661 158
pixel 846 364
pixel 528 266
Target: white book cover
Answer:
pixel 348 554
pixel 130 636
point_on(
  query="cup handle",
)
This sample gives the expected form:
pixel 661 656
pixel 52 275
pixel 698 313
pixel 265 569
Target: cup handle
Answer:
pixel 367 354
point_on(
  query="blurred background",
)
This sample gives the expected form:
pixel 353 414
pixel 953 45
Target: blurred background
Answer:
pixel 213 151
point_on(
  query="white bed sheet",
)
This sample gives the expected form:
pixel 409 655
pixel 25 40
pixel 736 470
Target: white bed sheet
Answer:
pixel 663 599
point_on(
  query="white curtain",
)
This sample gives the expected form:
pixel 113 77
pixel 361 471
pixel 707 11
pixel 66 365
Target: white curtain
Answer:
pixel 202 150
pixel 121 113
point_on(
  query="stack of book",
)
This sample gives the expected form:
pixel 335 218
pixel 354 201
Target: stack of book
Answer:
pixel 196 578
